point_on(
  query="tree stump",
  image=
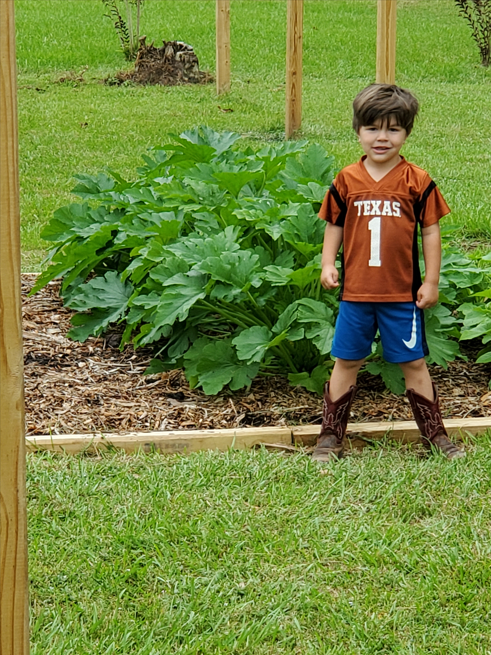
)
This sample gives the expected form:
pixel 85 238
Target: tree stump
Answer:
pixel 174 63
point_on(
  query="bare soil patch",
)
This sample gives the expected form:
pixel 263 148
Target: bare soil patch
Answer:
pixel 76 387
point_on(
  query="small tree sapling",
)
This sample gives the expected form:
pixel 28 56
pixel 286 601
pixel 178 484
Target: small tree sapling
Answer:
pixel 478 15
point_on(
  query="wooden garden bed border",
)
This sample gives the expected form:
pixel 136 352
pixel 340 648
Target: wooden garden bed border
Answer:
pixel 188 441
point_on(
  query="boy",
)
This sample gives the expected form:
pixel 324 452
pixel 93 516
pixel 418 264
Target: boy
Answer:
pixel 374 208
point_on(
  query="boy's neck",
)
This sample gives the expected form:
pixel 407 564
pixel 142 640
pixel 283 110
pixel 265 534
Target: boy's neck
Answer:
pixel 378 171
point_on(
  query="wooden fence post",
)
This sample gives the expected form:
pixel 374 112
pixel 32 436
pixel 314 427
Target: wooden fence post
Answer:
pixel 386 41
pixel 294 38
pixel 223 45
pixel 14 611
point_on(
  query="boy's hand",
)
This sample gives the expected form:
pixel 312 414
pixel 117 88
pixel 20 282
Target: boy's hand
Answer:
pixel 329 277
pixel 427 295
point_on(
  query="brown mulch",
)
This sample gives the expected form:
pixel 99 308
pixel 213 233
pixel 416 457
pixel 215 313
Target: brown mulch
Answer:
pixel 73 387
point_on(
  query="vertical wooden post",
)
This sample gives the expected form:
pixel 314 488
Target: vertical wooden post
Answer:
pixel 294 38
pixel 14 637
pixel 386 41
pixel 223 45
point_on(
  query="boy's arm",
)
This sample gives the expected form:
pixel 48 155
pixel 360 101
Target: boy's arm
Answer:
pixel 333 238
pixel 432 253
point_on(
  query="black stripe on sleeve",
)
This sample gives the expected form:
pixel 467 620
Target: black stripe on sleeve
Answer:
pixel 420 204
pixel 342 205
pixel 418 210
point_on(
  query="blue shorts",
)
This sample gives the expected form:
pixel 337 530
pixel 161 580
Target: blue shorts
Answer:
pixel 401 326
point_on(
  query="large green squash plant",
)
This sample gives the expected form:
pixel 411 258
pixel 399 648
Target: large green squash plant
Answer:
pixel 213 256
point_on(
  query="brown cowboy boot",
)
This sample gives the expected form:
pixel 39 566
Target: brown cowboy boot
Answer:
pixel 429 420
pixel 334 422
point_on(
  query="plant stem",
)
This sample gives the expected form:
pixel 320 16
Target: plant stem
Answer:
pixel 286 356
pixel 236 317
pixel 259 311
pixel 138 10
pixel 130 26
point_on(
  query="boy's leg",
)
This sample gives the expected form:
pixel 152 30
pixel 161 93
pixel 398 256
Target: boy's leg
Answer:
pixel 423 397
pixel 353 336
pixel 338 397
pixel 343 376
pixel 417 377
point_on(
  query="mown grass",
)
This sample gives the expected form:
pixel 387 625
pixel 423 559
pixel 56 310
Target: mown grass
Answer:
pixel 251 552
pixel 248 552
pixel 68 127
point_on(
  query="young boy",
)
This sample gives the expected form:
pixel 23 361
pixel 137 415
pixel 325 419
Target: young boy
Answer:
pixel 374 208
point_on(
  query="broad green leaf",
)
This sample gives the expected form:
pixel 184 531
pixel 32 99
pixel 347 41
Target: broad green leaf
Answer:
pixel 177 299
pixel 313 191
pixel 390 373
pixel 92 324
pixel 272 229
pixel 314 381
pixel 92 185
pixel 313 164
pixel 168 269
pixel 304 227
pixel 205 194
pixel 216 364
pixel 253 343
pixel 484 356
pixel 321 318
pixel 286 318
pixel 482 294
pixel 285 259
pixel 181 340
pixel 277 275
pixel 145 195
pixel 75 220
pixel 193 356
pixel 304 276
pixel 219 141
pixel 150 333
pixel 195 249
pixel 477 322
pixel 235 181
pixel 187 151
pixel 442 348
pixel 240 269
pixel 206 222
pixel 157 366
pixel 228 293
pixel 102 292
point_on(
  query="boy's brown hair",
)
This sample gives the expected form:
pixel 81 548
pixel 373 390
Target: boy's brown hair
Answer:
pixel 381 102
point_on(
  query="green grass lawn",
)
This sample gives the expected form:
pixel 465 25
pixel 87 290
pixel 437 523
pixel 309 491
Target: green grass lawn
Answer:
pixel 67 128
pixel 261 554
pixel 249 552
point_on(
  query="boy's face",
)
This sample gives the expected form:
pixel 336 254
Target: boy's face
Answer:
pixel 382 141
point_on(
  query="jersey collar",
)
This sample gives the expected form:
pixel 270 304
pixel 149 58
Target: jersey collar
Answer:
pixel 388 176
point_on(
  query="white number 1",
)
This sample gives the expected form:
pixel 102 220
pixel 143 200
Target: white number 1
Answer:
pixel 374 226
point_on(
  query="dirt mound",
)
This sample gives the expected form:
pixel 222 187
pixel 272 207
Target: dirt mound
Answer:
pixel 174 63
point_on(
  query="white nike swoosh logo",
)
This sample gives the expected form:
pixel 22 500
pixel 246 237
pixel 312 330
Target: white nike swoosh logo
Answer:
pixel 412 341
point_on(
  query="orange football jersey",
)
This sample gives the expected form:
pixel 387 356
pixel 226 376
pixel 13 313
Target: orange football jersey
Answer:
pixel 380 260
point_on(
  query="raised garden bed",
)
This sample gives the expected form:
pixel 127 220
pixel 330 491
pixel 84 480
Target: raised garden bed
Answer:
pixel 74 387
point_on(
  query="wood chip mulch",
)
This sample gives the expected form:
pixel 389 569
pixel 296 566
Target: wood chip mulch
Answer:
pixel 73 387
